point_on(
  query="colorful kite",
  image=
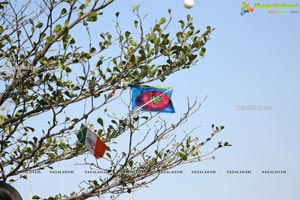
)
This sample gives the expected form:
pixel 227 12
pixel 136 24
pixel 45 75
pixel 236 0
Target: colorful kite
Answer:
pixel 157 99
pixel 92 142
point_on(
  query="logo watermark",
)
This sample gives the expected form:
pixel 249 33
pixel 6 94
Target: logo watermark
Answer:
pixel 194 172
pixel 253 107
pixel 271 8
pixel 276 8
pixel 246 8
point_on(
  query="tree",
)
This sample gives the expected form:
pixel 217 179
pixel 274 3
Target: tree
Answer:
pixel 46 73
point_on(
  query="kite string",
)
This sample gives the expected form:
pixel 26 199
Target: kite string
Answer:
pixel 140 107
pixel 84 108
pixel 131 114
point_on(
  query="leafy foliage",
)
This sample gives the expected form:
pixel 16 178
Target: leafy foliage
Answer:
pixel 45 73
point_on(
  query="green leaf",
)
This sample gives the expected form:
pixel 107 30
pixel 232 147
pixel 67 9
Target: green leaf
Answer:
pixel 30 128
pixel 127 34
pixel 162 20
pixel 182 156
pixel 57 28
pixel 188 141
pixel 189 19
pixel 92 50
pixel 92 17
pixel 95 183
pixel 39 25
pixel 136 23
pixel 68 69
pixel 227 144
pixel 42 35
pixel 24 176
pixel 182 23
pixel 35 139
pixel 63 11
pixel 52 156
pixel 1 29
pixel 72 41
pixel 130 163
pixel 100 121
pixel 108 155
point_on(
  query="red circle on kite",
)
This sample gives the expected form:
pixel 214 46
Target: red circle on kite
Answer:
pixel 153 100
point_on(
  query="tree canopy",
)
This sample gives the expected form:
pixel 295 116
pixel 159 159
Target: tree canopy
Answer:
pixel 46 73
